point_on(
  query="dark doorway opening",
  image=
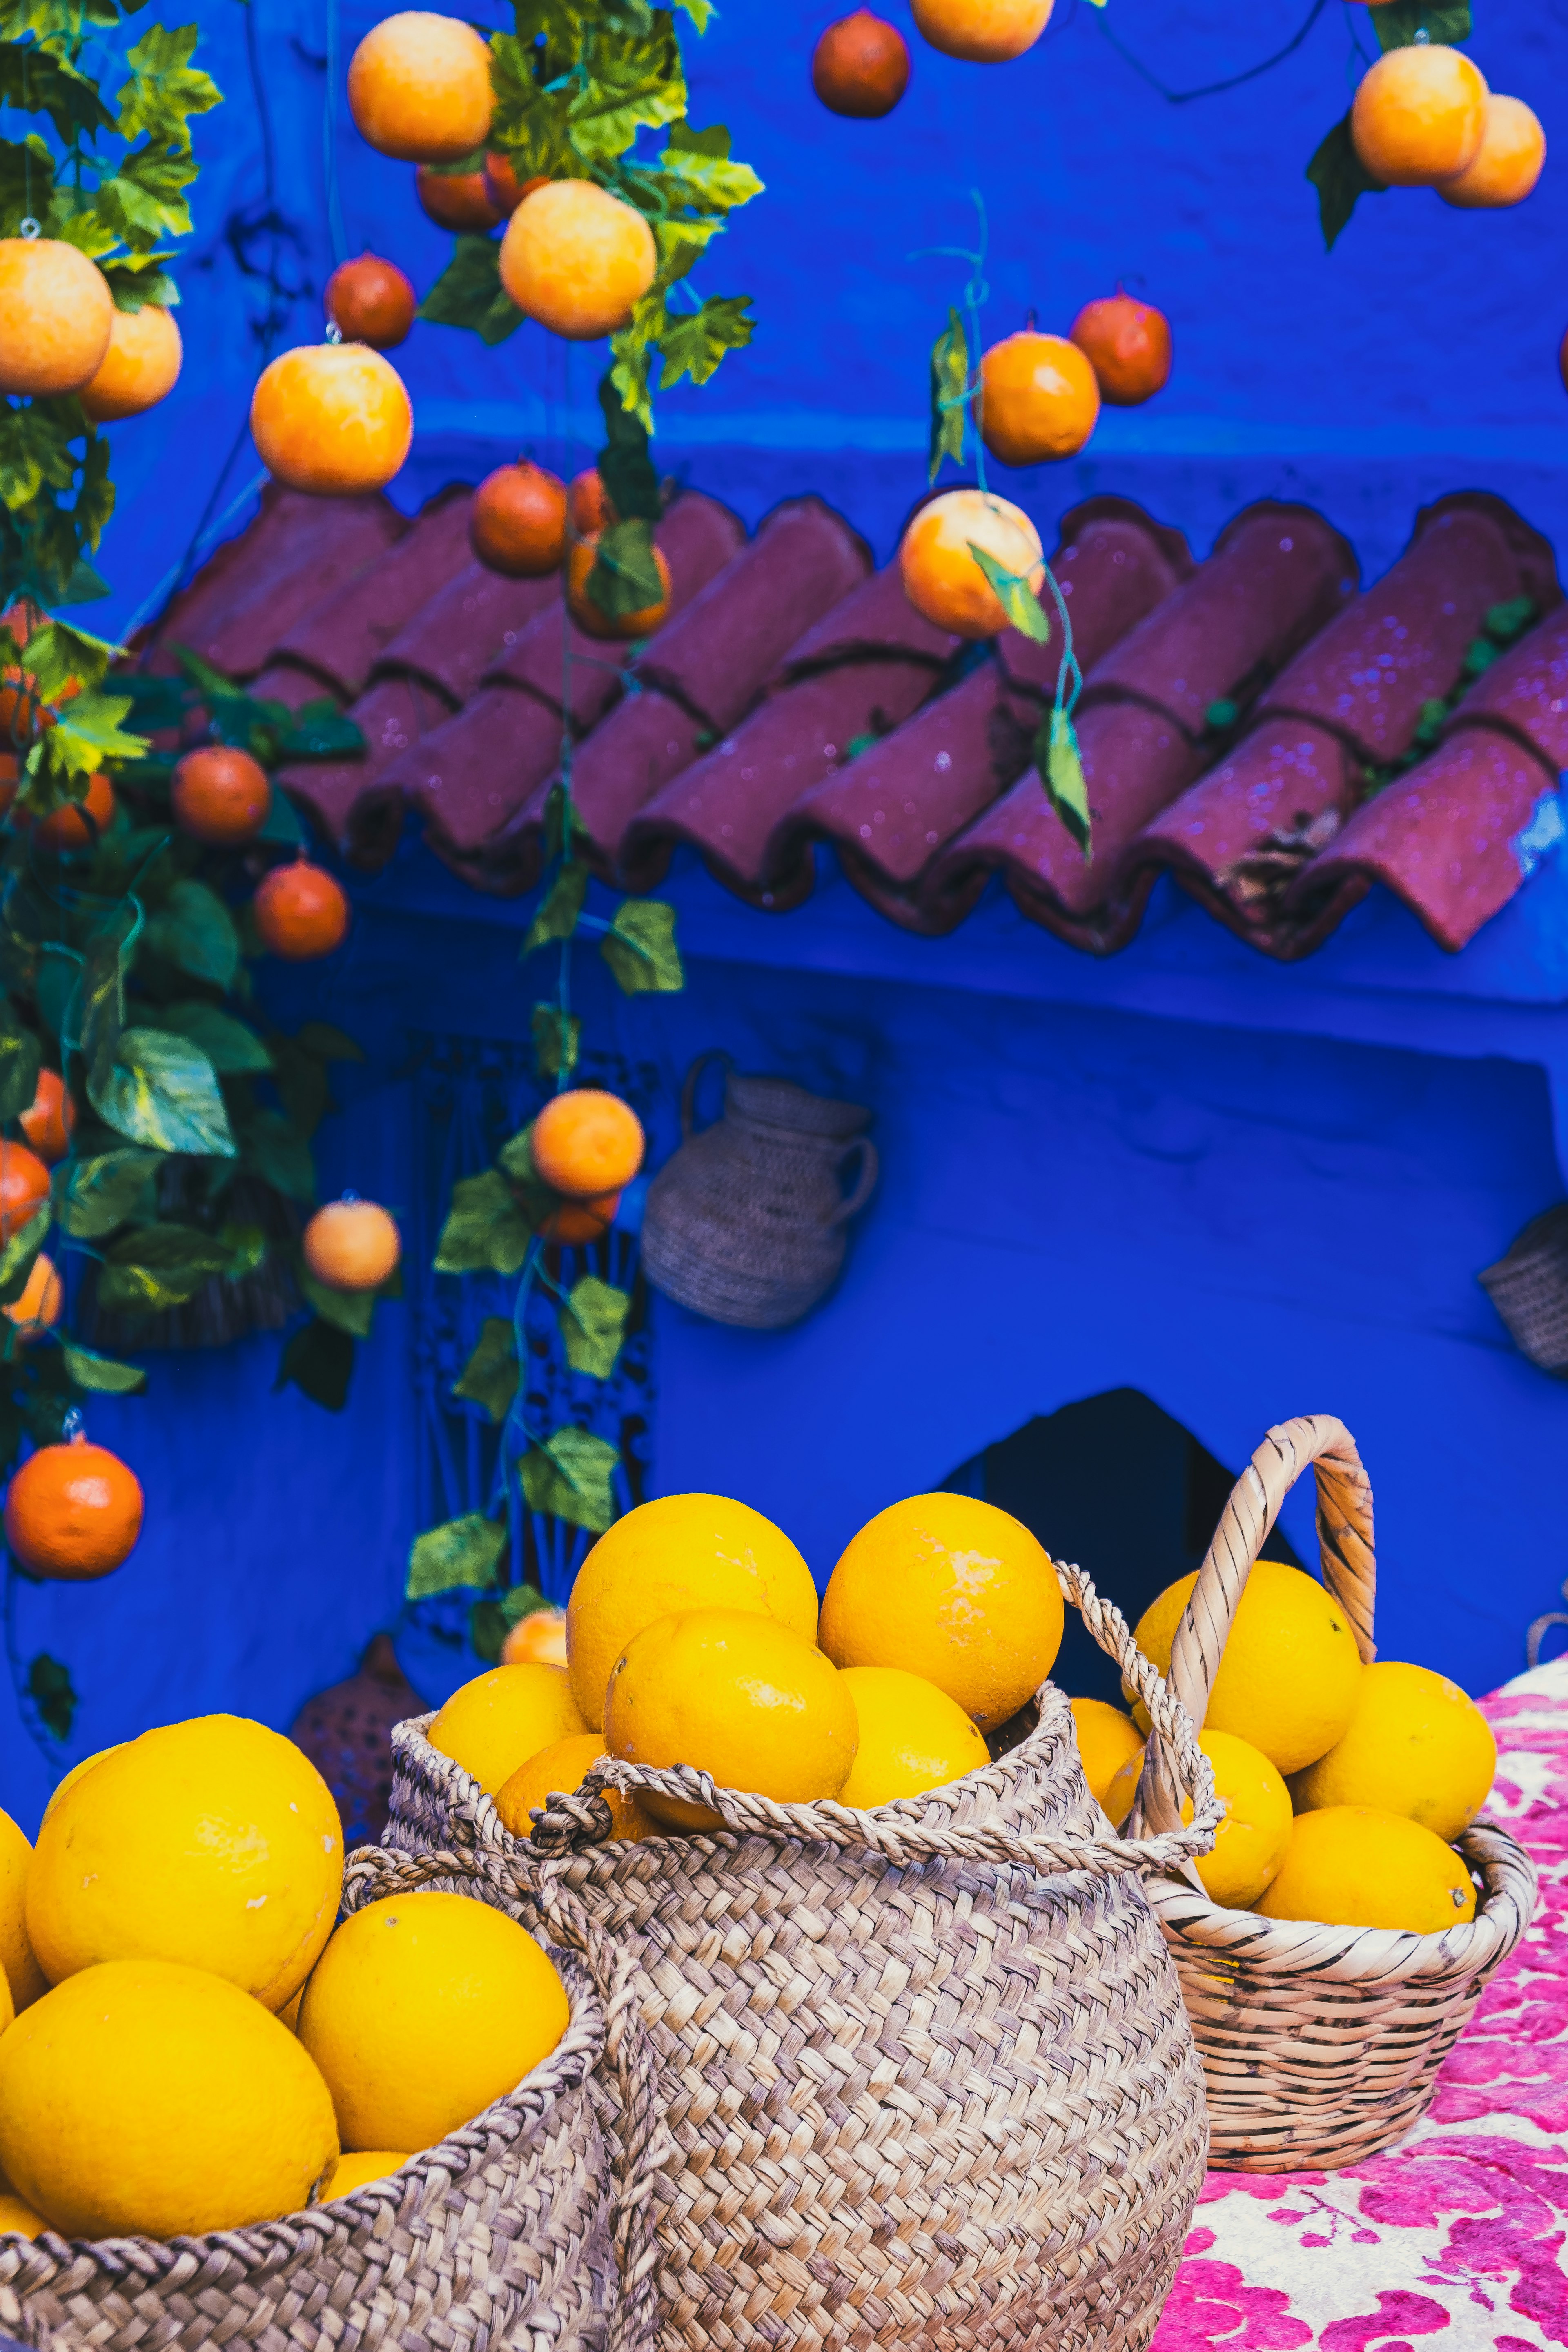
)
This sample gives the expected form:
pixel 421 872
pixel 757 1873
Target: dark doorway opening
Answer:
pixel 1119 1487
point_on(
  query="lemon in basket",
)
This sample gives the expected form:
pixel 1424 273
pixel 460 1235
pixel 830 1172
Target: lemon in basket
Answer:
pixel 17 2218
pixel 1110 1748
pixel 364 2164
pixel 1290 1672
pixel 423 2010
pixel 496 1722
pixel 1354 1866
pixel 736 1694
pixel 213 1842
pixel 954 1590
pixel 560 1766
pixel 912 1737
pixel 23 1974
pixel 679 1552
pixel 1251 1840
pixel 142 2098
pixel 1415 1744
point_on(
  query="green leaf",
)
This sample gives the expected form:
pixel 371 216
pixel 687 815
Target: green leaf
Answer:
pixel 693 344
pixel 319 1360
pixel 165 1092
pixel 36 82
pixel 229 1044
pixel 320 731
pixel 640 949
pixel 346 1310
pixel 700 11
pixel 92 1196
pixel 625 467
pixel 26 182
pixel 163 90
pixel 100 1374
pixel 624 578
pixel 485 1231
pixel 52 1692
pixel 529 124
pixel 949 390
pixel 696 171
pixel 557 917
pixel 557 1037
pixel 463 1552
pixel 194 931
pixel 490 1376
pixel 18 1065
pixel 97 1007
pixel 1061 771
pixel 468 293
pixel 19 1250
pixel 329 1043
pixel 491 1621
pixel 1397 22
pixel 569 1476
pixel 153 1267
pixel 135 279
pixel 537 1201
pixel 273 1146
pixel 592 1325
pixel 1015 596
pixel 89 731
pixel 632 80
pixel 1340 176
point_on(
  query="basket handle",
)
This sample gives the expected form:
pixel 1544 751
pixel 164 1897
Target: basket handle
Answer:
pixel 688 1091
pixel 865 1182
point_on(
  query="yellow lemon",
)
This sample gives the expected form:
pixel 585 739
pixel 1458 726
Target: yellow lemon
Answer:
pixel 23 1974
pixel 680 1552
pixel 1289 1678
pixel 1110 1744
pixel 215 1842
pixel 954 1590
pixel 913 1737
pixel 144 2099
pixel 736 1694
pixel 494 1723
pixel 1415 1744
pixel 353 2171
pixel 288 2014
pixel 18 2220
pixel 80 1772
pixel 423 2010
pixel 560 1766
pixel 1250 1841
pixel 1353 1866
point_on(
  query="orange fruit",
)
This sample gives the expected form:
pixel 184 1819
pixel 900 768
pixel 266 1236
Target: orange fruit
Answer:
pixel 78 824
pixel 1128 344
pixel 987 31
pixel 73 1512
pixel 537 1640
pixel 586 1142
pixel 942 578
pixel 1038 398
pixel 1418 115
pixel 580 1221
pixel 23 717
pixel 590 617
pixel 559 1768
pixel 300 911
pixel 419 87
pixel 39 1304
pixel 503 187
pixel 220 795
pixel 860 67
pixel 517 523
pixel 457 200
pixel 501 1718
pixel 577 259
pixel 24 1187
pixel 50 1117
pixel 352 1245
pixel 331 418
pixel 140 366
pixel 371 301
pixel 57 315
pixel 1508 162
pixel 587 504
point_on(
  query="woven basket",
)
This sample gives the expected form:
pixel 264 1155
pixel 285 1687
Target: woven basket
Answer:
pixel 927 2068
pixel 1528 1288
pixel 505 2235
pixel 1318 2044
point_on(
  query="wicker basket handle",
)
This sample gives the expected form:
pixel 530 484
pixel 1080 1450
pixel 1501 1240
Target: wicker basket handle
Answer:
pixel 693 1079
pixel 864 1183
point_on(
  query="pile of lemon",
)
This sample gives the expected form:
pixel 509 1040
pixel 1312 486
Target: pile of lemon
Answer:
pixel 190 2041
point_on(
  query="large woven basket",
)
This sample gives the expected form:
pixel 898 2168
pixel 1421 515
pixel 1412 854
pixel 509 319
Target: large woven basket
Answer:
pixel 505 2235
pixel 926 2069
pixel 1320 2044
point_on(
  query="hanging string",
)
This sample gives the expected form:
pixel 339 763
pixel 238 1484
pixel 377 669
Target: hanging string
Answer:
pixel 329 141
pixel 1207 88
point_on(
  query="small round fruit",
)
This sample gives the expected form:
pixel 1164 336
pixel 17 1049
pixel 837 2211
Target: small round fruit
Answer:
pixel 1108 1742
pixel 24 1187
pixel 300 912
pixel 1038 399
pixel 989 32
pixel 911 1737
pixel 366 2165
pixel 39 1304
pixel 952 1589
pixel 578 1223
pixel 73 1512
pixel 1508 162
pixel 678 1552
pixel 80 1772
pixel 141 367
pixel 57 315
pixel 371 301
pixel 1128 344
pixel 537 1640
pixel 860 67
pixel 577 259
pixel 50 1117
pixel 591 617
pixel 331 418
pixel 1353 1866
pixel 1290 1672
pixel 941 577
pixel 559 1769
pixel 24 1978
pixel 517 524
pixel 220 795
pixel 1117 1802
pixel 419 87
pixel 737 1696
pixel 1415 1744
pixel 586 1142
pixel 352 1246
pixel 500 1720
pixel 215 1842
pixel 18 2220
pixel 146 2099
pixel 505 190
pixel 1418 115
pixel 79 823
pixel 1251 1842
pixel 588 504
pixel 457 200
pixel 423 2010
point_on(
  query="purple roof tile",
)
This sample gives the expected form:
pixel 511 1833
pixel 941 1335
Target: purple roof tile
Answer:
pixel 342 637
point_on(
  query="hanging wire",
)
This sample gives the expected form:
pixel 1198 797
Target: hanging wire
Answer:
pixel 1207 88
pixel 330 142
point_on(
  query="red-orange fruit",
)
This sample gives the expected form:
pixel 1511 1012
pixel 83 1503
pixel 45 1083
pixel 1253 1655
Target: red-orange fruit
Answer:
pixel 24 1187
pixel 861 66
pixel 352 1245
pixel 577 1222
pixel 589 507
pixel 220 795
pixel 300 912
pixel 371 301
pixel 73 1512
pixel 591 617
pixel 50 1117
pixel 81 824
pixel 1128 345
pixel 459 201
pixel 40 1301
pixel 517 523
pixel 503 187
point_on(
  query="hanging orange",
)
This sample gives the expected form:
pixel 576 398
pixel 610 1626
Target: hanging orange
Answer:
pixel 50 1117
pixel 331 418
pixel 24 1187
pixel 56 314
pixel 300 911
pixel 141 367
pixel 39 1303
pixel 586 1142
pixel 860 67
pixel 1418 115
pixel 80 825
pixel 457 200
pixel 577 259
pixel 1038 399
pixel 1508 162
pixel 73 1512
pixel 220 795
pixel 352 1245
pixel 1128 345
pixel 988 32
pixel 371 301
pixel 419 87
pixel 517 524
pixel 588 505
pixel 581 559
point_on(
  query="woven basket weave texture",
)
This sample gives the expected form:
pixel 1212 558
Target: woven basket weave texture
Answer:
pixel 1528 1288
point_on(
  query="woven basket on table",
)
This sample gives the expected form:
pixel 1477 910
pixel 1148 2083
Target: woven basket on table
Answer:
pixel 1320 2044
pixel 505 2235
pixel 926 2069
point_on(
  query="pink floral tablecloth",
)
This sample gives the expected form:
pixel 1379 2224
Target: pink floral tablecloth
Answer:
pixel 1452 2241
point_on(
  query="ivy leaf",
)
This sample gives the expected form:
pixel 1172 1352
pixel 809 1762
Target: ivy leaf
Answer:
pixel 165 91
pixel 18 1065
pixel 100 1374
pixel 625 467
pixel 1061 771
pixel 89 733
pixel 568 1477
pixel 194 931
pixel 529 123
pixel 145 200
pixel 696 170
pixel 624 578
pixel 1398 23
pixel 319 1360
pixel 468 293
pixel 1340 176
pixel 347 1310
pixel 557 1039
pixel 229 1044
pixel 19 1252
pixel 485 1231
pixel 640 949
pixel 694 343
pixel 329 1043
pixel 96 1009
pixel 592 1325
pixel 632 79
pixel 94 1195
pixel 154 1267
pixel 135 279
pixel 537 1201
pixel 949 385
pixel 1015 596
pixel 318 730
pixel 491 1621
pixel 37 82
pixel 490 1376
pixel 463 1552
pixel 273 1146
pixel 165 1091
pixel 557 917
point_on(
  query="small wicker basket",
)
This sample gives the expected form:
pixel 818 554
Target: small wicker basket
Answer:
pixel 1320 2044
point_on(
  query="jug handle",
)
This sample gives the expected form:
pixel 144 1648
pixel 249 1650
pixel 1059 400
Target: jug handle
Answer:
pixel 688 1091
pixel 865 1182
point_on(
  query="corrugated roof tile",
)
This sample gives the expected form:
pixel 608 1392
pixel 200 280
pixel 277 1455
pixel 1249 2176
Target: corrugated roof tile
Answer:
pixel 244 602
pixel 343 635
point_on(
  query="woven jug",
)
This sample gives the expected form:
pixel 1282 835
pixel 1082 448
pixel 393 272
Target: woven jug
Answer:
pixel 746 1223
